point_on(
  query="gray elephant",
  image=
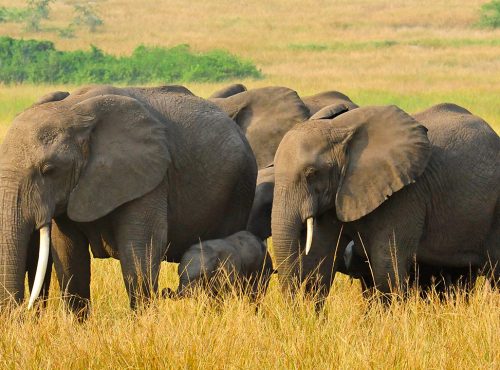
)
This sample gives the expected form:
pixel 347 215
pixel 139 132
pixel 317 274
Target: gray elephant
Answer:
pixel 129 171
pixel 265 115
pixel 228 91
pixel 401 187
pixel 239 262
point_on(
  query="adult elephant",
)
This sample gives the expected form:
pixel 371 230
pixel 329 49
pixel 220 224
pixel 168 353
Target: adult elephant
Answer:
pixel 401 187
pixel 265 115
pixel 126 170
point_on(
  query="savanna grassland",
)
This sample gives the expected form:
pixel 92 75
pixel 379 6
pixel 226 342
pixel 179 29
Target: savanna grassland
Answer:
pixel 411 53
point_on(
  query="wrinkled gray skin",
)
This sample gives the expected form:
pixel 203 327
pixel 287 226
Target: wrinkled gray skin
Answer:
pixel 228 91
pixel 443 208
pixel 265 115
pixel 316 102
pixel 240 261
pixel 128 171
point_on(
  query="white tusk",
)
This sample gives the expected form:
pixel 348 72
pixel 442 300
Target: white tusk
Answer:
pixel 348 254
pixel 41 268
pixel 309 239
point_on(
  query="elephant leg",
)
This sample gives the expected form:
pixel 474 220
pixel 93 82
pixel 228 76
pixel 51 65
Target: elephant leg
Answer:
pixel 70 249
pixel 31 264
pixel 140 229
pixel 390 261
pixel 492 244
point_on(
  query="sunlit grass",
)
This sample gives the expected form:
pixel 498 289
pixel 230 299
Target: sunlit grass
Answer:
pixel 198 333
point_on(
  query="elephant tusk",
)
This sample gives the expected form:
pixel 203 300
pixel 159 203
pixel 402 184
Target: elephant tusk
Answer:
pixel 348 255
pixel 41 268
pixel 309 239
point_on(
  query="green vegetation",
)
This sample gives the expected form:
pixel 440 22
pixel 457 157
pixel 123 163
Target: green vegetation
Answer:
pixel 38 10
pixel 490 15
pixel 32 61
pixel 86 16
pixel 378 44
pixel 12 14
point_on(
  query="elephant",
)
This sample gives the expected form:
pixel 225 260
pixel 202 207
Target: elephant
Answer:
pixel 228 91
pixel 264 115
pixel 128 171
pixel 240 262
pixel 348 263
pixel 404 188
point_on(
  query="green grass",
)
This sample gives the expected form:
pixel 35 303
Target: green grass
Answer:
pixel 32 61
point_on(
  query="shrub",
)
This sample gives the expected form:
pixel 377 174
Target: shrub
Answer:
pixel 490 15
pixel 12 14
pixel 87 16
pixel 38 62
pixel 37 10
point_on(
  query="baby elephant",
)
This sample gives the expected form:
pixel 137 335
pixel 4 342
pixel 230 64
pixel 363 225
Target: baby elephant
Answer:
pixel 240 261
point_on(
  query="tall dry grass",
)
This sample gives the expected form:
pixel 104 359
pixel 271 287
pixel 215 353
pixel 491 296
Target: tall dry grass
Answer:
pixel 412 53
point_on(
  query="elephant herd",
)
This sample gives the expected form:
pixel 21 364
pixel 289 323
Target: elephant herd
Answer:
pixel 145 175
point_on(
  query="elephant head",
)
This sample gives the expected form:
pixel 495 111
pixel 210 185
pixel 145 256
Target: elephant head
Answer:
pixel 71 156
pixel 343 168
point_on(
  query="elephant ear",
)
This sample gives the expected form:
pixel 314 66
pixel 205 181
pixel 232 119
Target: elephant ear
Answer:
pixel 128 155
pixel 274 107
pixel 52 96
pixel 330 111
pixel 386 150
pixel 228 91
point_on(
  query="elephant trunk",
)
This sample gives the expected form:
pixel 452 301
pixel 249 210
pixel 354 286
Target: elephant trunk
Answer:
pixel 286 229
pixel 14 240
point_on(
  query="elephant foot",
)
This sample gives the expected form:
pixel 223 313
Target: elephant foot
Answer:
pixel 169 293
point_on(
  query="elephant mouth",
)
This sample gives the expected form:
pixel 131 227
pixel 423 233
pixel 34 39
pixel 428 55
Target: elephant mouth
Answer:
pixel 41 268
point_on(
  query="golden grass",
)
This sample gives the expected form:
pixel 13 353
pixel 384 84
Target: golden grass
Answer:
pixel 413 73
pixel 196 333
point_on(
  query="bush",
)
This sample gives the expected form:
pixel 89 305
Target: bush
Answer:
pixel 12 14
pixel 38 62
pixel 37 10
pixel 87 16
pixel 490 15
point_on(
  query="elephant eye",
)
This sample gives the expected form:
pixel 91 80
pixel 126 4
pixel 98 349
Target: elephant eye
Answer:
pixel 47 169
pixel 310 172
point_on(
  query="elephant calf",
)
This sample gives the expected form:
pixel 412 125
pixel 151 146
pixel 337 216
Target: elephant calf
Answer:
pixel 240 261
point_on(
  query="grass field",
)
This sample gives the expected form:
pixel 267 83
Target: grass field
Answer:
pixel 411 53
